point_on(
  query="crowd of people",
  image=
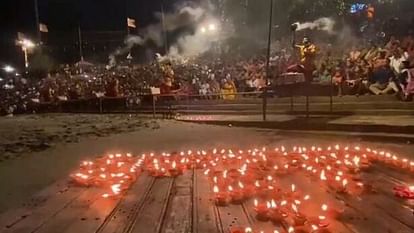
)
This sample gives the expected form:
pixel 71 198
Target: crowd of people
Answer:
pixel 372 69
pixel 366 69
pixel 213 79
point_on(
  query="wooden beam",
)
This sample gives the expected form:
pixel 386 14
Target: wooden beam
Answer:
pixel 108 215
pixel 150 219
pixel 61 220
pixel 178 218
pixel 52 200
pixel 204 215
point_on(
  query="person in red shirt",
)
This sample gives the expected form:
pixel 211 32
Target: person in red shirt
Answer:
pixel 112 88
pixel 166 86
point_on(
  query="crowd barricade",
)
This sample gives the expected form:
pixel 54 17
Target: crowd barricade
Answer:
pixel 294 98
pixel 167 104
pixel 90 105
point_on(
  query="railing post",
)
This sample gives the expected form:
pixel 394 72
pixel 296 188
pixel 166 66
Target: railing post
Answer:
pixel 264 104
pixel 153 106
pixel 291 98
pixel 331 97
pixel 307 99
pixel 100 105
pixel 188 103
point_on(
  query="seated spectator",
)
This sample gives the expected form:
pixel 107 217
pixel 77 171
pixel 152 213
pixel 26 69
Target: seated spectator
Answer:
pixel 74 92
pixel 392 44
pixel 357 78
pixel 405 81
pixel 214 88
pixel 337 79
pixel 112 88
pixel 407 45
pixel 205 90
pixel 354 54
pixel 166 86
pixel 396 61
pixel 383 81
pixel 380 61
pixel 259 81
pixel 371 53
pixel 324 74
pixel 228 90
pixel 46 93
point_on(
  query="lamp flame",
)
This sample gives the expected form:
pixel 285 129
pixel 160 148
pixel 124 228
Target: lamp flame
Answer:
pixel 323 176
pixel 215 189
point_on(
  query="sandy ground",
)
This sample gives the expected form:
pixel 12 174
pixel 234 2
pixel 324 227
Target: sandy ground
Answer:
pixel 22 134
pixel 39 150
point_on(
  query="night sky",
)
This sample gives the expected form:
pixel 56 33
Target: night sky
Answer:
pixel 64 16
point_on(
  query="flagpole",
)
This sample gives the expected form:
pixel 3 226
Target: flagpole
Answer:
pixel 80 43
pixel 269 42
pixel 38 33
pixel 129 56
pixel 127 16
pixel 164 30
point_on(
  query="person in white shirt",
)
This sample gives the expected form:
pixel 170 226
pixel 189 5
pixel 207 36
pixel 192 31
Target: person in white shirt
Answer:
pixel 250 84
pixel 396 61
pixel 204 89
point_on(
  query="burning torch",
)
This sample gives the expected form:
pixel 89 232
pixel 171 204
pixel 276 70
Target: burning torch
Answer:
pixel 27 46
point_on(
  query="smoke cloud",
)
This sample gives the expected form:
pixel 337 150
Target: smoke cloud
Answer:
pixel 323 24
pixel 195 44
pixel 129 43
pixel 182 17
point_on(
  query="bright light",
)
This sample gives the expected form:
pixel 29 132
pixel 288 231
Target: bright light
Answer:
pixel 8 69
pixel 212 27
pixel 28 44
pixel 203 30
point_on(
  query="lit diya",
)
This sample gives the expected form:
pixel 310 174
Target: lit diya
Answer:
pixel 406 192
pixel 262 210
pixel 221 197
pixel 277 214
pixel 298 217
pixel 237 194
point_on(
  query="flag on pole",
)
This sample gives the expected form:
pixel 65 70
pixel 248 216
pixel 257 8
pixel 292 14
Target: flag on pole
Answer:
pixel 131 23
pixel 43 28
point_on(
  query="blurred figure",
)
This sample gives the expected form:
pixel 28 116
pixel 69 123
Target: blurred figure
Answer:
pixel 204 90
pixel 354 54
pixel 396 61
pixel 370 12
pixel 307 58
pixel 383 81
pixel 338 79
pixel 405 81
pixel 228 90
pixel 112 88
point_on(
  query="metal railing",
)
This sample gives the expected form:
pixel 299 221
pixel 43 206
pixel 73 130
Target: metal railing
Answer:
pixel 304 99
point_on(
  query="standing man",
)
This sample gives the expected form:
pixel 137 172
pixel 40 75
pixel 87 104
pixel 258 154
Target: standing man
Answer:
pixel 307 58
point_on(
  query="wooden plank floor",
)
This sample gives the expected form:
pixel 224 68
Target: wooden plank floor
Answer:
pixel 184 204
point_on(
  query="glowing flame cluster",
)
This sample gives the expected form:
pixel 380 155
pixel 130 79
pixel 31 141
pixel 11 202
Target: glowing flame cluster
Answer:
pixel 237 176
pixel 114 173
